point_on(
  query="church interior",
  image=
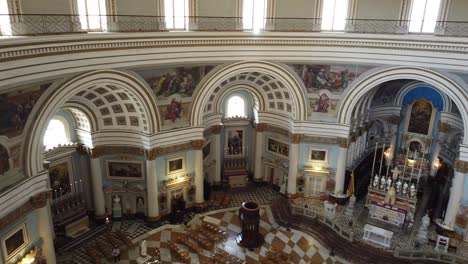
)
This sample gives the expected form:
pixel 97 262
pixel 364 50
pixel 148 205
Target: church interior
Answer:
pixel 233 131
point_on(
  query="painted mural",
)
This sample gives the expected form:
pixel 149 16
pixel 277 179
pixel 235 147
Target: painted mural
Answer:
pixel 173 88
pixel 15 108
pixel 420 118
pixel 334 78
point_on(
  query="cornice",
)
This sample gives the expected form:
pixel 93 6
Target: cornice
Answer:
pixel 37 201
pixel 85 43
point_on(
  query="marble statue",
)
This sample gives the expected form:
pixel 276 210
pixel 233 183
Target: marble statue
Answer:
pixel 375 184
pixel 412 191
pixel 116 201
pixel 382 182
pixel 398 186
pixel 405 188
pixel 143 249
pixel 390 197
pixel 389 183
pixel 422 232
pixel 395 171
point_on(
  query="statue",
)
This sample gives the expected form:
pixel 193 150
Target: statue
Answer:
pixel 389 182
pixel 412 191
pixel 143 249
pixel 422 233
pixel 390 197
pixel 375 184
pixel 398 186
pixel 382 183
pixel 405 188
pixel 116 201
pixel 395 171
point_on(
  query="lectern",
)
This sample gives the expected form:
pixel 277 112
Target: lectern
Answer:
pixel 250 237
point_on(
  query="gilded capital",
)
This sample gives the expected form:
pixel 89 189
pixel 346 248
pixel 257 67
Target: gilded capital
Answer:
pixel 217 129
pixel 39 200
pixel 296 138
pixel 198 144
pixel 461 166
pixel 343 142
pixel 262 127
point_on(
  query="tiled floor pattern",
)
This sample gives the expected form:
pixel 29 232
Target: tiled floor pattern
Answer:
pixel 300 247
pixel 261 195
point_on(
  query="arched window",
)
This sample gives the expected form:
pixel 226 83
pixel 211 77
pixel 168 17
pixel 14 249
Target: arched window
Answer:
pixel 5 25
pixel 253 14
pixel 236 107
pixel 424 14
pixel 176 14
pixel 92 15
pixel 334 14
pixel 56 134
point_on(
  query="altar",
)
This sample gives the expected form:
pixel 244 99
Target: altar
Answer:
pixel 378 235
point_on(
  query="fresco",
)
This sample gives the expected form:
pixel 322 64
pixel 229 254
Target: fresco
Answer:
pixel 420 117
pixel 15 108
pixel 173 88
pixel 335 78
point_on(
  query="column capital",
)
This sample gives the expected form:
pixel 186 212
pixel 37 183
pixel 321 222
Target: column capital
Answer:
pixel 261 127
pixel 444 127
pixel 197 144
pixel 461 166
pixel 343 142
pixel 352 137
pixel 83 150
pixel 40 200
pixel 216 129
pixel 296 138
pixel 394 120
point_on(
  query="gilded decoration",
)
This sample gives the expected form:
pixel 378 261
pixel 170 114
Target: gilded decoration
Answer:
pixel 343 142
pixel 198 144
pixel 161 151
pixel 40 200
pixel 262 127
pixel 113 150
pixel 216 130
pixel 320 140
pixel 296 138
pixel 461 166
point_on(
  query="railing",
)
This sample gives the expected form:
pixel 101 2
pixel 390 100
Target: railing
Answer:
pixel 429 255
pixel 34 24
pixel 317 214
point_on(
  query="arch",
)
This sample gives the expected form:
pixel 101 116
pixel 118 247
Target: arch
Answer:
pixel 231 90
pixel 368 81
pixel 57 95
pixel 285 75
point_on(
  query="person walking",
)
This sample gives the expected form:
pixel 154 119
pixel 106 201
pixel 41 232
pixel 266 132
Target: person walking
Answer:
pixel 116 254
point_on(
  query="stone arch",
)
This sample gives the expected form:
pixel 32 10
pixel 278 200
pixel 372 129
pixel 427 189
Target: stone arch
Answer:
pixel 282 73
pixel 366 82
pixel 57 95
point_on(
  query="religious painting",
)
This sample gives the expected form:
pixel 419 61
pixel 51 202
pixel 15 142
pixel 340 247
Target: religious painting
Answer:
pixel 278 147
pixel 420 117
pixel 318 155
pixel 124 169
pixel 334 78
pixel 323 103
pixel 234 142
pixel 175 165
pixel 4 160
pixel 206 150
pixel 15 241
pixel 16 107
pixel 61 177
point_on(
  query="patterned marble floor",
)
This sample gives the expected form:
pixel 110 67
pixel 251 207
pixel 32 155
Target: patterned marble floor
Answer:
pixel 300 247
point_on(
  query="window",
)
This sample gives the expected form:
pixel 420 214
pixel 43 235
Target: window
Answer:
pixel 235 107
pixel 176 14
pixel 92 15
pixel 424 14
pixel 334 14
pixel 5 24
pixel 56 134
pixel 253 14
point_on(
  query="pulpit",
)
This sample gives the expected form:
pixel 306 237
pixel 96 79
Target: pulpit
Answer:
pixel 249 215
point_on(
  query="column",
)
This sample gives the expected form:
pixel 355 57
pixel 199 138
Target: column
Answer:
pixel 97 187
pixel 456 192
pixel 341 165
pixel 152 190
pixel 435 159
pixel 45 227
pixel 84 185
pixel 351 154
pixel 293 161
pixel 217 153
pixel 258 173
pixel 197 146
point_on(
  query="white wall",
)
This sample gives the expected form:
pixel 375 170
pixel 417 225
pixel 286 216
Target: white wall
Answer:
pixel 458 10
pixel 295 8
pixel 221 8
pixel 381 9
pixel 46 7
pixel 137 8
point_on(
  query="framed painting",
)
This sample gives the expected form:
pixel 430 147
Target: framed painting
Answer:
pixel 175 165
pixel 15 241
pixel 277 147
pixel 318 155
pixel 235 142
pixel 61 176
pixel 124 169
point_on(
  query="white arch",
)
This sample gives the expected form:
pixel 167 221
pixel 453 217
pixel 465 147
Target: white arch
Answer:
pixel 364 83
pixel 57 95
pixel 280 72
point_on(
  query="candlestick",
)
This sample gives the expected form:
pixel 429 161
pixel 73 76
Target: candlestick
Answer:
pixel 412 167
pixel 375 154
pixel 381 159
pixel 406 160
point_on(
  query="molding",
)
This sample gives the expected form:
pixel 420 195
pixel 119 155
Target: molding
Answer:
pixel 394 120
pixel 162 151
pixel 116 150
pixel 198 144
pixel 37 201
pixel 296 138
pixel 261 127
pixel 343 142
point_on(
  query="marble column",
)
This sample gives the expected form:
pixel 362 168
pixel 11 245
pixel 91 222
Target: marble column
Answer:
pixel 152 190
pixel 84 185
pixel 456 192
pixel 341 165
pixel 293 162
pixel 97 187
pixel 44 225
pixel 217 154
pixel 197 146
pixel 259 145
